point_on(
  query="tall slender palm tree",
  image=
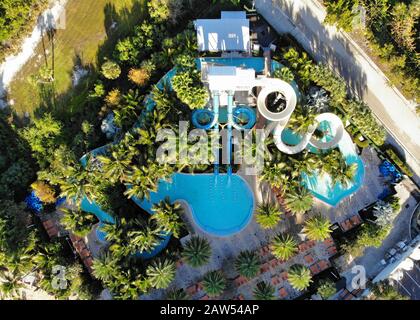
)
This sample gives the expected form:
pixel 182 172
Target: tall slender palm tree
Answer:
pixel 264 291
pixel 283 246
pixel 144 240
pixel 161 273
pixel 197 252
pixel 299 277
pixel 214 283
pixel 268 215
pixel 168 216
pixel 344 174
pixel 298 200
pixel 115 167
pixel 317 228
pixel 79 222
pixel 247 264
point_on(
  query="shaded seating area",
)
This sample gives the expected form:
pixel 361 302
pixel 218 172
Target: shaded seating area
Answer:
pixel 304 246
pixel 330 246
pixel 319 266
pixel 350 223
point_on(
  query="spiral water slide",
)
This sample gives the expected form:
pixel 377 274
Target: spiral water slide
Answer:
pixel 269 86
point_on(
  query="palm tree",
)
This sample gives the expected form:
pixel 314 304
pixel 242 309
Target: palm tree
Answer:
pixel 167 216
pixel 214 283
pixel 298 200
pixel 268 215
pixel 275 175
pixel 344 174
pixel 317 228
pixel 264 291
pixel 75 187
pixel 161 273
pixel 78 222
pixel 106 267
pixel 144 240
pixel 197 252
pixel 299 277
pixel 247 264
pixel 283 246
pixel 10 285
pixel 177 294
pixel 115 167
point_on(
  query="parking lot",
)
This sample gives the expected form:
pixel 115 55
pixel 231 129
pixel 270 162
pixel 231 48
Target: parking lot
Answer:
pixel 409 285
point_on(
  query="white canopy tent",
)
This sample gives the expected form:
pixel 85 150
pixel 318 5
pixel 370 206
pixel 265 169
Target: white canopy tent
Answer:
pixel 230 33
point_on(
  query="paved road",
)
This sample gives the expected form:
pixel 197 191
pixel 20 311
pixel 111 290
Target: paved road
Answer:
pixel 303 19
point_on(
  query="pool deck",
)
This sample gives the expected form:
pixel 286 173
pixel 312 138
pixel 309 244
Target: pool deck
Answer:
pixel 374 185
pixel 253 237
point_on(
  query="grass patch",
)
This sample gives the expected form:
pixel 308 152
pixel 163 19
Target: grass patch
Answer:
pixel 87 38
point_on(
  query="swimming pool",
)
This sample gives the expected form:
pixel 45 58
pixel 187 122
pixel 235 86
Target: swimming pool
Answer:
pixel 221 205
pixel 320 185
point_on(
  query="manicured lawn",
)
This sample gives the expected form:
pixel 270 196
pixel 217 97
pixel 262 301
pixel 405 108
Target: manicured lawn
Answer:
pixel 87 23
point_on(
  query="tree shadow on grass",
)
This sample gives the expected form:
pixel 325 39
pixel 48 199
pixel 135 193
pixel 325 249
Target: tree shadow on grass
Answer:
pixel 74 105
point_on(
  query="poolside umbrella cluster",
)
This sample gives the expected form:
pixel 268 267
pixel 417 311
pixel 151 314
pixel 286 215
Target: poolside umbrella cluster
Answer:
pixel 387 169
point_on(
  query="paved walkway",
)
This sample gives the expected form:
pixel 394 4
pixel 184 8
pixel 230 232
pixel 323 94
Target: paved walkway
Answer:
pixel 303 20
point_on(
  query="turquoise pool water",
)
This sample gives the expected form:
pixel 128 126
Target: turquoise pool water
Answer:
pixel 221 205
pixel 321 186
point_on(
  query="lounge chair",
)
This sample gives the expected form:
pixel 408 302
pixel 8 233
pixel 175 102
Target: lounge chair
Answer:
pixel 284 275
pixel 314 269
pixel 191 290
pixel 283 293
pixel 309 258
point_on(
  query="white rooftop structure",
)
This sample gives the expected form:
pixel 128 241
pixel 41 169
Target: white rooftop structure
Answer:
pixel 230 33
pixel 229 78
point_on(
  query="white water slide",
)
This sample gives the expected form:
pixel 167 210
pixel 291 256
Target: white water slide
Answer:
pixel 269 86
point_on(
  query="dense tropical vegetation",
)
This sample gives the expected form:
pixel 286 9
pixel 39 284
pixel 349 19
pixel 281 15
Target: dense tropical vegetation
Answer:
pixel 385 291
pixel 390 28
pixel 326 289
pixel 16 17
